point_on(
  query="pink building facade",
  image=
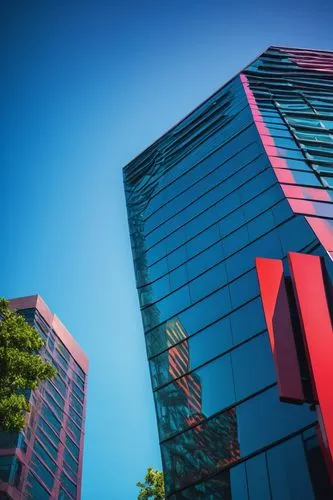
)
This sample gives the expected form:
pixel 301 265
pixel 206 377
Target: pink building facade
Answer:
pixel 45 460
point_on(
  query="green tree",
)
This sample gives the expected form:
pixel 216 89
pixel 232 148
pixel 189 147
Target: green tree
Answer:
pixel 21 367
pixel 153 487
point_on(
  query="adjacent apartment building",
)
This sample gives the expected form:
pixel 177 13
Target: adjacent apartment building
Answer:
pixel 231 225
pixel 45 460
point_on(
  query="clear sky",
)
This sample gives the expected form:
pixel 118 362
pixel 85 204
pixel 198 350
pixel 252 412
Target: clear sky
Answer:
pixel 85 86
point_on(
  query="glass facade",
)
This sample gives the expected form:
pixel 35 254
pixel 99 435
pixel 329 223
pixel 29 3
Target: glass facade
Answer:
pixel 246 175
pixel 45 460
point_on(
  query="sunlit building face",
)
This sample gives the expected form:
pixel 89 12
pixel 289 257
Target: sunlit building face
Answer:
pixel 247 174
pixel 44 461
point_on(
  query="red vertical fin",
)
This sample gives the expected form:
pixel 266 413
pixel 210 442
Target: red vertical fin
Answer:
pixel 314 313
pixel 279 326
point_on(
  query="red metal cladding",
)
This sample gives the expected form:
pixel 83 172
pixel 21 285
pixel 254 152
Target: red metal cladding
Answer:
pixel 323 229
pixel 313 310
pixel 279 326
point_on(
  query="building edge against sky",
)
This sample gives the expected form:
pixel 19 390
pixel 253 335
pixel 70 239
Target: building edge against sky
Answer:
pixel 45 460
pixel 247 174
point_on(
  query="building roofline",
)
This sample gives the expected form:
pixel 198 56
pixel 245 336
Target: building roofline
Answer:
pixel 303 49
pixel 151 146
pixel 37 302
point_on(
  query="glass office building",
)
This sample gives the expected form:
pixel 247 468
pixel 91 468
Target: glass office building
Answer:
pixel 44 461
pixel 247 174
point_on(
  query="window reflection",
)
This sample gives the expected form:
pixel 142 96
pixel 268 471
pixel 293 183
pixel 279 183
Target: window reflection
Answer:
pixel 201 451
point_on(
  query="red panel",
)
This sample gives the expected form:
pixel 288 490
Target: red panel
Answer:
pixel 323 229
pixel 279 326
pixel 306 193
pixel 312 207
pixel 285 175
pixel 311 299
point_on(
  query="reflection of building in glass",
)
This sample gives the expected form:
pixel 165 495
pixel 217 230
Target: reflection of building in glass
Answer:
pixel 45 460
pixel 247 174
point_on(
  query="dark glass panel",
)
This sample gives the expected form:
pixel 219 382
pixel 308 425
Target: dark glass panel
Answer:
pixel 6 463
pixel 41 471
pixel 239 482
pixel 8 439
pixel 282 212
pixel 244 289
pixel 44 456
pixel 227 205
pixel 166 308
pixel 288 471
pixel 74 431
pixel 207 344
pixel 257 185
pixel 257 478
pixel 194 397
pixel 253 366
pixel 206 175
pixel 216 488
pixel 235 241
pixel 178 278
pixel 232 222
pixel 295 234
pixel 35 490
pixel 63 495
pixel 78 393
pixel 261 225
pixel 77 419
pixel 55 394
pixel 76 404
pixel 53 405
pixel 201 451
pixel 317 465
pixel 203 241
pixel 263 420
pixel 70 461
pixel 47 443
pixel 78 370
pixel 193 319
pixel 48 431
pixel 50 418
pixel 247 321
pixel 205 260
pixel 262 202
pixel 68 484
pixel 206 283
pixel 267 246
pixel 72 447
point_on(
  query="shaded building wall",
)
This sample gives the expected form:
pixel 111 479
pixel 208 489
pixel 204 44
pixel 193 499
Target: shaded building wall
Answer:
pixel 45 460
pixel 218 190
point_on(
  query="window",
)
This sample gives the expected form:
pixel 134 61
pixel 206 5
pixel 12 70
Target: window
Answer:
pixel 209 281
pixel 71 462
pixel 263 420
pixel 68 484
pixel 74 431
pixel 48 431
pixel 35 490
pixel 47 442
pixel 76 404
pixel 194 397
pixel 72 447
pixel 253 366
pixel 219 434
pixel 6 463
pixel 41 471
pixel 51 418
pixel 78 393
pixel 45 457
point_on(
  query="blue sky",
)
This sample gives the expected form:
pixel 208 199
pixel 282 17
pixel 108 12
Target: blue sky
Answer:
pixel 86 86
